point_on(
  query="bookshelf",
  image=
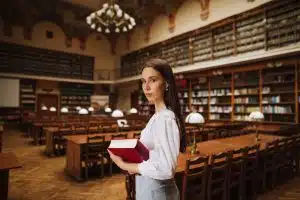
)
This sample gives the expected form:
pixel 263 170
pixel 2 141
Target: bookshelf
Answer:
pixel 278 92
pixel 270 26
pixel 200 95
pixel 183 88
pixel 144 108
pixel 246 94
pixel 73 95
pixel 283 23
pixel 27 94
pixel 43 62
pixel 220 106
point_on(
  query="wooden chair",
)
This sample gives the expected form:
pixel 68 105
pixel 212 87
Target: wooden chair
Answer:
pixel 296 153
pixel 236 174
pixel 119 136
pixel 195 179
pixel 94 154
pixel 286 159
pixel 269 165
pixel 251 171
pixel 93 128
pixel 218 176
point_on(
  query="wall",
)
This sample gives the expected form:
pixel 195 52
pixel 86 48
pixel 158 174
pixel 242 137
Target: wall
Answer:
pixel 100 49
pixel 187 19
pixel 124 95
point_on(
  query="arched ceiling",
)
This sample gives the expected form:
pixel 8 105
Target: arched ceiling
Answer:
pixel 71 14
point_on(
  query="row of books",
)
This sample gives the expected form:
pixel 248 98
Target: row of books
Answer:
pixel 277 109
pixel 246 109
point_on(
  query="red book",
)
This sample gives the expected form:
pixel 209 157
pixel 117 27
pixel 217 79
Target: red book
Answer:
pixel 130 150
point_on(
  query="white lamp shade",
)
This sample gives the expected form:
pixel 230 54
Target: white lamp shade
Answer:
pixel 44 108
pixel 107 110
pixel 91 109
pixel 83 111
pixel 52 109
pixel 133 111
pixel 256 116
pixel 117 113
pixel 64 110
pixel 78 108
pixel 194 118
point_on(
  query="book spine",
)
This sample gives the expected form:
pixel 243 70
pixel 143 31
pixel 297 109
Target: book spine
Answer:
pixel 143 151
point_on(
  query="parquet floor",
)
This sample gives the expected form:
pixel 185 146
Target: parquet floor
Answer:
pixel 43 178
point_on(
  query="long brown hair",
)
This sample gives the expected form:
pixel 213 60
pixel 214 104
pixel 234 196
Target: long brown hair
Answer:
pixel 170 97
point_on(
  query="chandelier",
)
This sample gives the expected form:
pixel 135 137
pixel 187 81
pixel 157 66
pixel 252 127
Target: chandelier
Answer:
pixel 110 18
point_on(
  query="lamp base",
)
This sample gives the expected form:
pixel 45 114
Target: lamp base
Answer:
pixel 257 138
pixel 194 149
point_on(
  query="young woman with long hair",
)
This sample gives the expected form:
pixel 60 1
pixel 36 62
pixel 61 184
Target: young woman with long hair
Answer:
pixel 164 136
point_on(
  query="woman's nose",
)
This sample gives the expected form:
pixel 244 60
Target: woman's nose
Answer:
pixel 147 86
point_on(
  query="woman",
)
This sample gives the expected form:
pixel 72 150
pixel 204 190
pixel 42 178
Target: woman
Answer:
pixel 164 136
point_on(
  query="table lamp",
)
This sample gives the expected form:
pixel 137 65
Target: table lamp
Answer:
pixel 117 113
pixel 44 108
pixel 198 119
pixel 64 110
pixel 91 109
pixel 256 117
pixel 107 110
pixel 133 111
pixel 83 111
pixel 52 109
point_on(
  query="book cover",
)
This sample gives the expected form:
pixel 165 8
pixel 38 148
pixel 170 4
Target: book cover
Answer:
pixel 130 150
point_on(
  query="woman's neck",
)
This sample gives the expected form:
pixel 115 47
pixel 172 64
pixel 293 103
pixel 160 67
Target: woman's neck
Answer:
pixel 159 106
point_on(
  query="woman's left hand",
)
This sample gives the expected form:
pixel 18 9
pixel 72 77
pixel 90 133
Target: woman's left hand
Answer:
pixel 116 159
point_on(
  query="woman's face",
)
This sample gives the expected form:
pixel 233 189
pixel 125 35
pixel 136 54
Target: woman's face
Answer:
pixel 153 85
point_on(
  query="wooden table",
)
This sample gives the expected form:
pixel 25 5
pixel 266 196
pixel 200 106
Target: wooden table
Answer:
pixel 266 128
pixel 7 161
pixel 75 145
pixel 220 145
pixel 50 132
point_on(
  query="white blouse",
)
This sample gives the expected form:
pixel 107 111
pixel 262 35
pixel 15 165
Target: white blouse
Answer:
pixel 161 137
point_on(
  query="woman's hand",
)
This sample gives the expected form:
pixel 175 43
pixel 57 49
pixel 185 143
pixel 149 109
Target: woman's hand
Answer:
pixel 131 168
pixel 116 159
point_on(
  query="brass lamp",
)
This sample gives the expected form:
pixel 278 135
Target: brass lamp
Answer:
pixel 256 117
pixel 198 119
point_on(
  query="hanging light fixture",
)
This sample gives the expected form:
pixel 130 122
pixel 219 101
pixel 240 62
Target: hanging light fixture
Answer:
pixel 110 18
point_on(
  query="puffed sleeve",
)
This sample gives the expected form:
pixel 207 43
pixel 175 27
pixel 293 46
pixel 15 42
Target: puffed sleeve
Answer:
pixel 162 161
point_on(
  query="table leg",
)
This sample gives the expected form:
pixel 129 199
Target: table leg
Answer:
pixel 4 184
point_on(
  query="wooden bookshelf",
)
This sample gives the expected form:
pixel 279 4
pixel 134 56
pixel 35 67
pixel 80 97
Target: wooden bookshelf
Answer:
pixel 267 27
pixel 43 62
pixel 220 104
pixel 27 94
pixel 278 91
pixel 73 95
pixel 233 92
pixel 246 94
pixel 144 108
pixel 200 95
pixel 183 92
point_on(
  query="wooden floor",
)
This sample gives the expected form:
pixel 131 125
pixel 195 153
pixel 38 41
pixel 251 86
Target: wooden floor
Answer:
pixel 43 178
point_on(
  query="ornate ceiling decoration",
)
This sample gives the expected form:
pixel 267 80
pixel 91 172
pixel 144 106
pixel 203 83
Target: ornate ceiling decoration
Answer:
pixel 71 15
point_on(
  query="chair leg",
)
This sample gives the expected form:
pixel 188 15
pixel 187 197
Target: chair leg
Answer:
pixel 86 170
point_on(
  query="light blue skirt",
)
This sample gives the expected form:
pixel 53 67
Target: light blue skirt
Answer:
pixel 151 189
